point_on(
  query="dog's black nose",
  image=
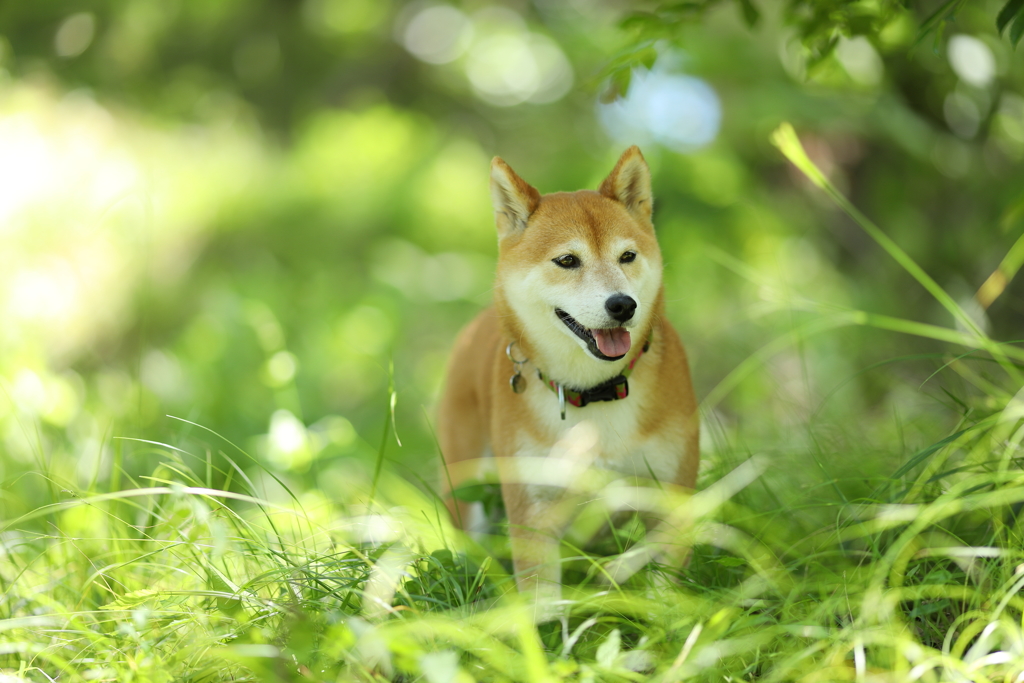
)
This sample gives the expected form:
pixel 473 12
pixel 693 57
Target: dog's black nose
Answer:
pixel 620 307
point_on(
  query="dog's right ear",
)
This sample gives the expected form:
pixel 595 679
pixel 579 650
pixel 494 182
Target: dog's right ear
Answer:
pixel 513 198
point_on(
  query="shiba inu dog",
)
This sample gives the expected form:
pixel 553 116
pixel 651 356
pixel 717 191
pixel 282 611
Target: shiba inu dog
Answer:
pixel 575 364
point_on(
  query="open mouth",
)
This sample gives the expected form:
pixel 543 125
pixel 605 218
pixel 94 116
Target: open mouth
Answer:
pixel 607 344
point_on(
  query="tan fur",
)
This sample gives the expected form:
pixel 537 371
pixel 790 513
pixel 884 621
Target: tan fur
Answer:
pixel 655 427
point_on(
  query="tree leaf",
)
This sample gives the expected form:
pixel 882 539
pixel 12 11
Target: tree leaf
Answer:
pixel 1011 9
pixel 618 85
pixel 938 17
pixel 1017 30
pixel 641 21
pixel 752 16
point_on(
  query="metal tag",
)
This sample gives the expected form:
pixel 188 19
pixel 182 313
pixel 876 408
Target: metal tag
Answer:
pixel 518 383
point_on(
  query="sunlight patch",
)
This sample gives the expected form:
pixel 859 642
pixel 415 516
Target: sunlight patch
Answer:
pixel 972 60
pixel 505 62
pixel 680 112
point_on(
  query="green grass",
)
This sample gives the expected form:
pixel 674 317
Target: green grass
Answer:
pixel 828 550
pixel 916 574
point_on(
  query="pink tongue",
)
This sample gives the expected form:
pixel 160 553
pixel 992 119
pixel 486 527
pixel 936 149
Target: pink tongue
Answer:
pixel 612 342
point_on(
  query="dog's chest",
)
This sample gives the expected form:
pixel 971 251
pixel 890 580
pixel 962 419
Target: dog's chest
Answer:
pixel 619 430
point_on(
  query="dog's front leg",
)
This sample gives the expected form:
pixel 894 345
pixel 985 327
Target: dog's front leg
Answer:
pixel 533 532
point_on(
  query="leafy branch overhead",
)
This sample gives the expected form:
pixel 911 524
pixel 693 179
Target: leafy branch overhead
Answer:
pixel 1012 15
pixel 819 24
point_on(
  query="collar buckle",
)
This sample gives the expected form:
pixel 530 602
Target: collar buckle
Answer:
pixel 612 390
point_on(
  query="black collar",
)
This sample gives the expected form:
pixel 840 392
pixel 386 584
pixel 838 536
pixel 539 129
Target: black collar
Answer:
pixel 614 389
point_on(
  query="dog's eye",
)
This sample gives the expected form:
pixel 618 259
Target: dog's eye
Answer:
pixel 628 257
pixel 567 261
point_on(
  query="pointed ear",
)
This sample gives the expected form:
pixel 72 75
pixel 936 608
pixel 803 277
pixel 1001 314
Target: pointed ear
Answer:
pixel 629 183
pixel 513 198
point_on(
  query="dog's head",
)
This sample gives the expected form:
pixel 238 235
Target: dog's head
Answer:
pixel 581 270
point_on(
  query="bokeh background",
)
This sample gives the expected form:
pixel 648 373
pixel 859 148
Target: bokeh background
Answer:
pixel 270 218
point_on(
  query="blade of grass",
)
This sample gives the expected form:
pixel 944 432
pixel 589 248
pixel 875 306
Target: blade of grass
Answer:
pixel 379 464
pixel 255 461
pixel 44 510
pixel 923 454
pixel 444 466
pixel 786 140
pixel 845 319
pixel 943 13
pixel 1000 278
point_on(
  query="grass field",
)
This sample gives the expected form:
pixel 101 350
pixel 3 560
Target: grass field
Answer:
pixel 910 573
pixel 878 545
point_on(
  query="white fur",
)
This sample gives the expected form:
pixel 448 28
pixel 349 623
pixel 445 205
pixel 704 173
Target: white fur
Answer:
pixel 620 447
pixel 535 292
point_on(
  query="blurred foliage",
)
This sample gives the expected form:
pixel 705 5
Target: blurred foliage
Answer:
pixel 260 217
pixel 820 24
pixel 269 219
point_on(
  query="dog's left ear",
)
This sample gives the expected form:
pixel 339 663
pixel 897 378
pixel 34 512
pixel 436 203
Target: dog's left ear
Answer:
pixel 629 183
